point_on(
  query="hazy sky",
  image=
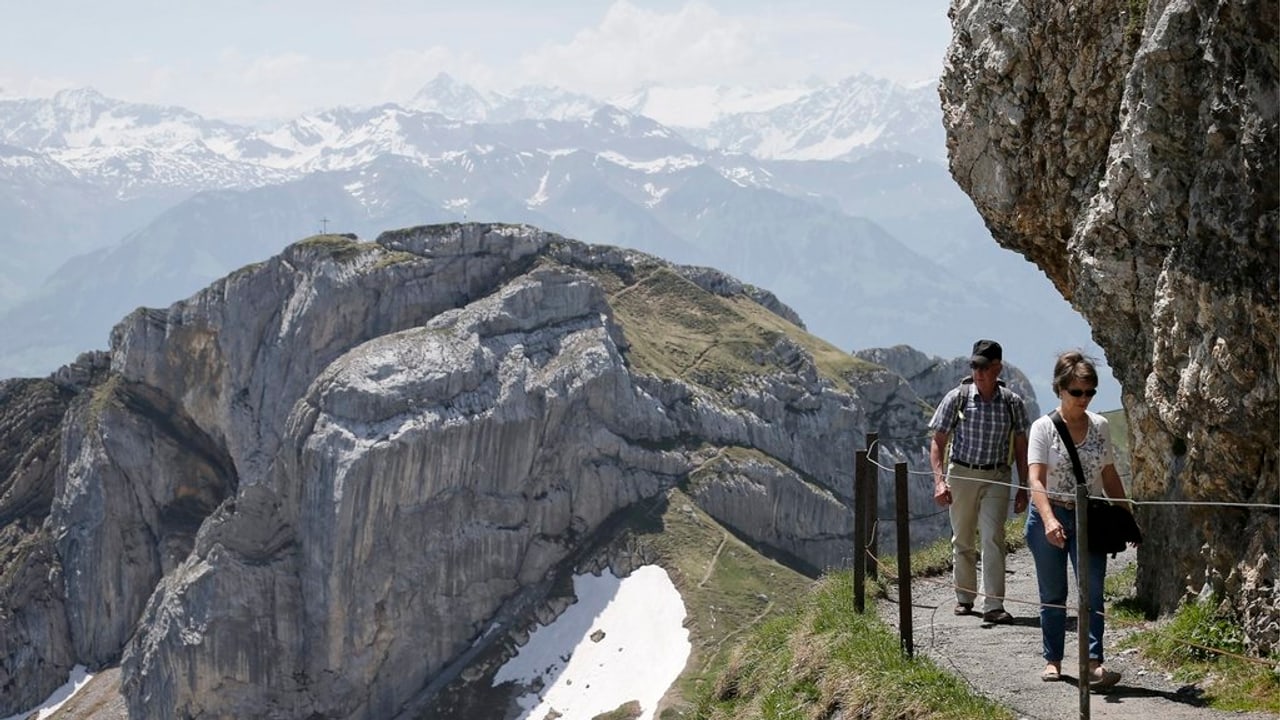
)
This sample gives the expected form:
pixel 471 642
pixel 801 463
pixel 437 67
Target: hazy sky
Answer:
pixel 244 59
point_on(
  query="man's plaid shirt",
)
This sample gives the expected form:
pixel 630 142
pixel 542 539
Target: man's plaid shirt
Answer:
pixel 982 437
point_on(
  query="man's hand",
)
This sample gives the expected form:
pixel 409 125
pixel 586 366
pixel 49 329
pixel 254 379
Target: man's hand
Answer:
pixel 1020 500
pixel 942 493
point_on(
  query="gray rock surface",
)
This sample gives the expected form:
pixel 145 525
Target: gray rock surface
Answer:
pixel 1130 151
pixel 932 377
pixel 319 485
pixel 136 479
pixel 35 645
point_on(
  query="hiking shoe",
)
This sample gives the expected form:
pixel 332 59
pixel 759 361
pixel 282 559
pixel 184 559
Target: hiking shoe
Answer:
pixel 964 609
pixel 998 617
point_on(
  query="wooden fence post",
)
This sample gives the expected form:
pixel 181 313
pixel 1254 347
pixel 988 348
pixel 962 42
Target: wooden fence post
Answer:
pixel 859 531
pixel 906 631
pixel 1082 585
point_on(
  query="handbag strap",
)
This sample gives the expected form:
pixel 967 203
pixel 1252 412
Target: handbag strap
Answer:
pixel 1065 433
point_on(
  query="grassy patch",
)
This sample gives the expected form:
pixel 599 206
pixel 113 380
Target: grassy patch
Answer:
pixel 338 247
pixel 342 248
pixel 392 257
pixel 728 588
pixel 1123 607
pixel 102 397
pixel 1187 645
pixel 825 657
pixel 1136 16
pixel 822 656
pixel 677 329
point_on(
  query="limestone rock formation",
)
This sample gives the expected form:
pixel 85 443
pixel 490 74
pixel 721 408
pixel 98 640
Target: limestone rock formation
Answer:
pixel 36 642
pixel 932 377
pixel 35 647
pixel 321 484
pixel 1130 150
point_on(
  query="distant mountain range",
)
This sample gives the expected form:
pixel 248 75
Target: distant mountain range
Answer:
pixel 836 198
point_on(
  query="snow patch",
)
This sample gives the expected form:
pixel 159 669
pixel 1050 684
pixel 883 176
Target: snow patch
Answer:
pixel 655 194
pixel 662 164
pixel 540 196
pixel 782 145
pixel 79 678
pixel 623 640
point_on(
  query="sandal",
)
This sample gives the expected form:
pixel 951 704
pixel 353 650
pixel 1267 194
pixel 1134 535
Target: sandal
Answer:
pixel 1101 678
pixel 1050 674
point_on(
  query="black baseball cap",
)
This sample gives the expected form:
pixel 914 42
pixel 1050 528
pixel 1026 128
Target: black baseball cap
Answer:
pixel 985 352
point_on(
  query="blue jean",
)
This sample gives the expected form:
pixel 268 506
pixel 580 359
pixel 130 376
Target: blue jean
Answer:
pixel 1051 576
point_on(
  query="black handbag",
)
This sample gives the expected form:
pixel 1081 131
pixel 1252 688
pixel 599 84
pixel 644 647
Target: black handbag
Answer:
pixel 1111 527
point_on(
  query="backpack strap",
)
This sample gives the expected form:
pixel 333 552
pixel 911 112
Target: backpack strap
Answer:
pixel 966 390
pixel 1013 423
pixel 962 398
pixel 1069 444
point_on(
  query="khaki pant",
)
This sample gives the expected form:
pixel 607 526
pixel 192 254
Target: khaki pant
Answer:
pixel 979 506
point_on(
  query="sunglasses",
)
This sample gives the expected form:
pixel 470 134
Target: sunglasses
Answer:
pixel 1077 392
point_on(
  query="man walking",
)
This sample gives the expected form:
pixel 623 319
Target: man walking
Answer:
pixel 986 424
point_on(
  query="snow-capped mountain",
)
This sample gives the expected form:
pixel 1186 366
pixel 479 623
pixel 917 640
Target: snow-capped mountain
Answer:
pixel 344 139
pixel 701 106
pixel 85 118
pixel 454 99
pixel 133 171
pixel 21 168
pixel 858 116
pixel 135 149
pixel 173 200
pixel 457 100
pixel 130 149
pixel 534 102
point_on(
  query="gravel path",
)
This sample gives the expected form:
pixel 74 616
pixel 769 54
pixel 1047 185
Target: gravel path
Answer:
pixel 1003 662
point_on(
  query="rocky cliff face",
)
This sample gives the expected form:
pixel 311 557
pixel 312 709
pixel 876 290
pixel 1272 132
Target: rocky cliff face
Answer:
pixel 1131 152
pixel 35 642
pixel 932 377
pixel 311 488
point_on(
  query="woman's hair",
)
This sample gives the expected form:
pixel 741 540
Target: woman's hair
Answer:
pixel 1073 365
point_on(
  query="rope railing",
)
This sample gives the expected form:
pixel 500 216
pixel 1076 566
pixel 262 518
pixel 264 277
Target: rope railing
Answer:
pixel 1071 496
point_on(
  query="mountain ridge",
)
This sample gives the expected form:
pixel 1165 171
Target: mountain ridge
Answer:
pixel 510 390
pixel 84 118
pixel 609 174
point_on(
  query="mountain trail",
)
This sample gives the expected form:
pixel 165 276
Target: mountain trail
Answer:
pixel 1003 662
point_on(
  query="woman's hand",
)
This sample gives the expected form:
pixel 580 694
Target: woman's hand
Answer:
pixel 1054 532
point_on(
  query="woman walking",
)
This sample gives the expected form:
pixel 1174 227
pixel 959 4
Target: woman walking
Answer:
pixel 1051 523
